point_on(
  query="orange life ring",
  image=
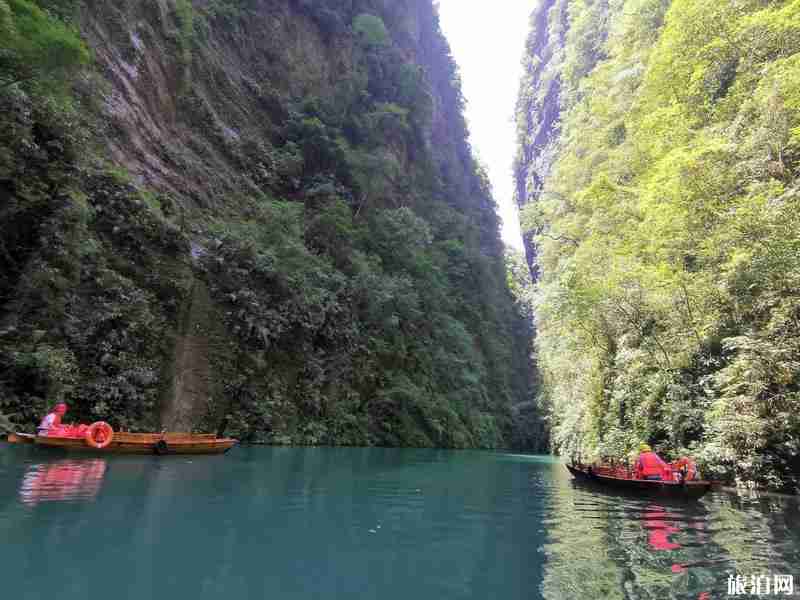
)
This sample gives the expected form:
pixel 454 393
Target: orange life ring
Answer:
pixel 99 435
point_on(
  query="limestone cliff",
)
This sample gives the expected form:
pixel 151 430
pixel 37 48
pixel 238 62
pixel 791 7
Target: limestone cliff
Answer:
pixel 262 212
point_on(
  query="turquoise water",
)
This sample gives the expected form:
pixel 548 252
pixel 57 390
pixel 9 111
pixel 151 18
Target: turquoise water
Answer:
pixel 277 523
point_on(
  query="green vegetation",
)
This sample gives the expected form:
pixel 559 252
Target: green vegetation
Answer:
pixel 291 162
pixel 667 234
pixel 36 46
pixel 370 30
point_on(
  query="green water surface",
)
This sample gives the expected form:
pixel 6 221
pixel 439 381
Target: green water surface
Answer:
pixel 384 524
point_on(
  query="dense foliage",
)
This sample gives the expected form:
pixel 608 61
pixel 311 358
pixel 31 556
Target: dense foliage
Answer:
pixel 325 196
pixel 36 45
pixel 667 233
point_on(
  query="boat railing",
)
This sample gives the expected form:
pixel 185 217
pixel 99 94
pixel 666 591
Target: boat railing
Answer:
pixel 614 470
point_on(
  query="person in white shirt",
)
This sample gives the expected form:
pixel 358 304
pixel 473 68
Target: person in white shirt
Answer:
pixel 53 419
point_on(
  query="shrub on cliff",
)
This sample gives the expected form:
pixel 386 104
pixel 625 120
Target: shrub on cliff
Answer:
pixel 36 46
pixel 371 31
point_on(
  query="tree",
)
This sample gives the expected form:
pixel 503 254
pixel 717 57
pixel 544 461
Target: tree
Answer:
pixel 371 31
pixel 664 234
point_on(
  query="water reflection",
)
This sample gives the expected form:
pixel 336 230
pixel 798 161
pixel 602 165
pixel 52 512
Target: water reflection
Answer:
pixel 660 530
pixel 298 524
pixel 602 544
pixel 62 480
pixel 293 524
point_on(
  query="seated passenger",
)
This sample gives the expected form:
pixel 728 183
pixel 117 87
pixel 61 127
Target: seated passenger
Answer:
pixel 52 420
pixel 649 464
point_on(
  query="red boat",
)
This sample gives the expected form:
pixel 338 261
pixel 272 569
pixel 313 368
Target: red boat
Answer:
pixel 622 479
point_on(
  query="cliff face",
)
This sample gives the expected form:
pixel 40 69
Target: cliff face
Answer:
pixel 563 46
pixel 656 174
pixel 259 215
pixel 194 85
pixel 539 108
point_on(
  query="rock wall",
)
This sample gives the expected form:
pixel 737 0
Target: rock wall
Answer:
pixel 303 161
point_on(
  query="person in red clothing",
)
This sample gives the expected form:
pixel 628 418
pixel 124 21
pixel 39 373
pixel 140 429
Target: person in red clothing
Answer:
pixel 52 420
pixel 649 464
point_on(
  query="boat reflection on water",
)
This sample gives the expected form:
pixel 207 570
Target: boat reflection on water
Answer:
pixel 62 481
pixel 659 528
pixel 620 546
pixel 660 524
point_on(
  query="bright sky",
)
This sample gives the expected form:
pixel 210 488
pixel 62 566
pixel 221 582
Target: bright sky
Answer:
pixel 487 39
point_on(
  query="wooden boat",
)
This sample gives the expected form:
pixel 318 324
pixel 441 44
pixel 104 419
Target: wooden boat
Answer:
pixel 621 480
pixel 135 443
pixel 21 438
